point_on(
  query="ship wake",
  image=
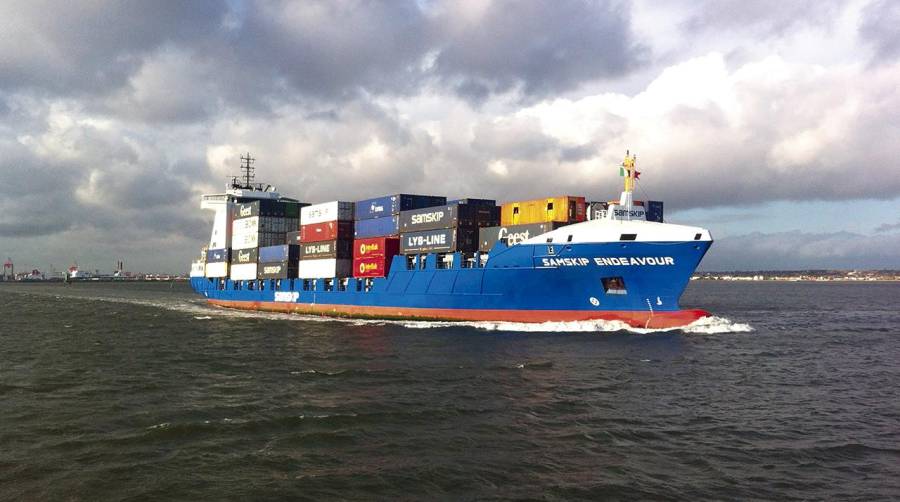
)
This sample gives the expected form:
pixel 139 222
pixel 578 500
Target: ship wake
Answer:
pixel 709 325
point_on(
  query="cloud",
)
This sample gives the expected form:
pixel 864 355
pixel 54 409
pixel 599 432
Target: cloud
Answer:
pixel 879 28
pixel 802 250
pixel 888 227
pixel 769 17
pixel 539 47
pixel 89 48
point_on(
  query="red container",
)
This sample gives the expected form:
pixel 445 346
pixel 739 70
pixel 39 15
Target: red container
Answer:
pixel 327 231
pixel 376 246
pixel 372 266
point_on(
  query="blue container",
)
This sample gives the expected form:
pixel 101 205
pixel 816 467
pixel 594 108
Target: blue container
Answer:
pixel 285 252
pixel 393 204
pixel 654 210
pixel 474 202
pixel 218 255
pixel 377 227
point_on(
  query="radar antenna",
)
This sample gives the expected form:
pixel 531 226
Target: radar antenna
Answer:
pixel 247 166
pixel 245 180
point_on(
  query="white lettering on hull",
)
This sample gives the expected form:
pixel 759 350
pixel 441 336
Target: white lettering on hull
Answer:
pixel 610 261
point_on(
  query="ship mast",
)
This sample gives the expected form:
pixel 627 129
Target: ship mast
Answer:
pixel 245 180
pixel 630 173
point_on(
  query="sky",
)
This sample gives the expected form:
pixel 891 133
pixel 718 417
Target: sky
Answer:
pixel 774 124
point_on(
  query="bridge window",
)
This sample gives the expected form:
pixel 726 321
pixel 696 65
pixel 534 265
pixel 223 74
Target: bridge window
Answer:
pixel 697 237
pixel 342 284
pixel 628 237
pixel 614 285
pixel 305 284
pixel 359 284
pixel 329 284
pixel 569 239
pixel 410 262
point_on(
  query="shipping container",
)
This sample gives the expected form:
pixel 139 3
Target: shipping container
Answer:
pixel 377 227
pixel 267 207
pixel 324 268
pixel 239 256
pixel 243 272
pixel 655 211
pixel 340 249
pixel 277 270
pixel 327 231
pixel 563 209
pixel 283 252
pixel 327 211
pixel 597 210
pixel 376 246
pixel 451 216
pixel 372 266
pixel 218 255
pixel 513 234
pixel 392 204
pixel 292 237
pixel 259 239
pixel 260 231
pixel 445 240
pixel 474 202
pixel 217 269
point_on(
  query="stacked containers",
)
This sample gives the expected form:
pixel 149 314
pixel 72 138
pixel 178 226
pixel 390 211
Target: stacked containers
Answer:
pixel 326 240
pixel 262 223
pixel 379 217
pixel 217 261
pixel 372 257
pixel 278 262
pixel 563 209
pixel 445 229
pixel 378 228
pixel 244 264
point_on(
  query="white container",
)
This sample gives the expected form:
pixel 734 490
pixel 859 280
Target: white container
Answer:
pixel 326 211
pixel 243 272
pixel 325 268
pixel 246 241
pixel 245 225
pixel 219 269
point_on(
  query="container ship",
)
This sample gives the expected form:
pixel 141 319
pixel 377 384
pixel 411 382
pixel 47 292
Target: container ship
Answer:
pixel 424 257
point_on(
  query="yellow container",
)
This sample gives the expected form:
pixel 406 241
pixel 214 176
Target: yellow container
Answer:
pixel 563 209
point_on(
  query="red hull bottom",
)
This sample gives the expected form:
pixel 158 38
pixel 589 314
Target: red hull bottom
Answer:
pixel 636 319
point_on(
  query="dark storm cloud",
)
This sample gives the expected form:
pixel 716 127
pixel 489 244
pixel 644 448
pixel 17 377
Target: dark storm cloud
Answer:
pixel 543 47
pixel 67 48
pixel 880 26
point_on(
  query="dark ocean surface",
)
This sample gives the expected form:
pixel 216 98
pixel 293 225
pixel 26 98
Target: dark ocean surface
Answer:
pixel 140 392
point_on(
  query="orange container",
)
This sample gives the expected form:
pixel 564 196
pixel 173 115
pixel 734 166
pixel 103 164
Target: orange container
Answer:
pixel 563 209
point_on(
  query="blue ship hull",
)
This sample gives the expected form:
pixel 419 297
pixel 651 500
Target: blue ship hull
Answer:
pixel 525 283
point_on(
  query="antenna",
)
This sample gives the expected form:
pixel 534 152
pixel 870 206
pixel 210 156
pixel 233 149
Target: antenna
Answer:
pixel 247 166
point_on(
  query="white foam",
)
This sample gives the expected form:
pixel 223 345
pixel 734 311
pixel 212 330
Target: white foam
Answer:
pixel 704 325
pixel 713 325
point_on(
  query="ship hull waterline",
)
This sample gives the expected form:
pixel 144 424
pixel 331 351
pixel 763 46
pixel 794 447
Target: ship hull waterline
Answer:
pixel 635 319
